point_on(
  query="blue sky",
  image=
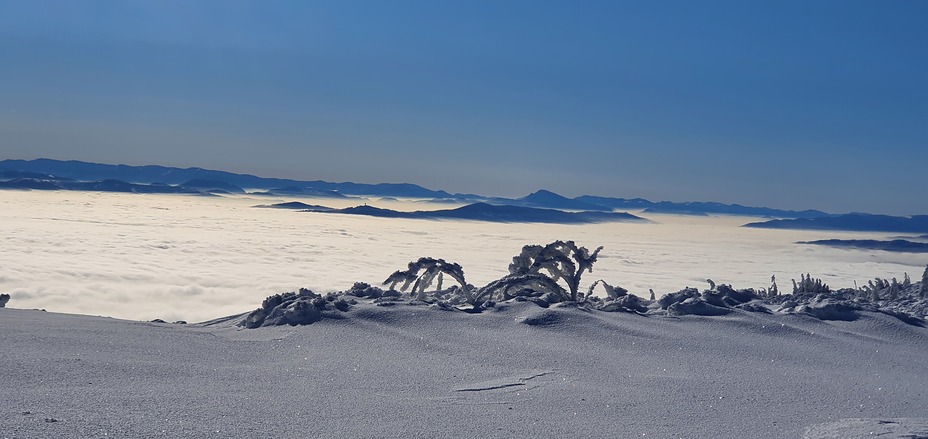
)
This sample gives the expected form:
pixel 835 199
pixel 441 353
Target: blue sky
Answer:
pixel 792 104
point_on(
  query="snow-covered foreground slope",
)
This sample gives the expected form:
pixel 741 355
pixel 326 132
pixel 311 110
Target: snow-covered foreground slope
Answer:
pixel 516 371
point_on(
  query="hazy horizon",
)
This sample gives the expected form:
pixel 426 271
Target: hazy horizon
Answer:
pixel 792 105
pixel 505 194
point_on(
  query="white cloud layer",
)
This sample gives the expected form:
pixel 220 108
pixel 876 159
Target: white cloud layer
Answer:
pixel 196 258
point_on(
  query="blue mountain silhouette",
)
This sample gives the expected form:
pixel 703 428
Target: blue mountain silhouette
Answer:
pixel 49 174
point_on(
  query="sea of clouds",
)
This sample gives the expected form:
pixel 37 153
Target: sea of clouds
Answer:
pixel 194 258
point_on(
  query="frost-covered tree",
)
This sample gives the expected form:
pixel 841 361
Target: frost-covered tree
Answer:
pixel 894 289
pixel 807 284
pixel 773 286
pixel 923 291
pixel 4 298
pixel 880 289
pixel 560 260
pixel 422 272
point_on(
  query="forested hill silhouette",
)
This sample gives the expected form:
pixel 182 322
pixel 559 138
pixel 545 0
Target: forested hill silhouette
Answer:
pixel 856 222
pixel 493 213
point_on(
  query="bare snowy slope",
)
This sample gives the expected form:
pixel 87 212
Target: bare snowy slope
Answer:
pixel 414 371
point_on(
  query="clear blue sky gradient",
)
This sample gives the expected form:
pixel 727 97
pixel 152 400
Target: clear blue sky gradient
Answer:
pixel 791 104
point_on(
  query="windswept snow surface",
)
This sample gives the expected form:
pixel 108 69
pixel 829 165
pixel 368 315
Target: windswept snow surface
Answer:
pixel 414 371
pixel 194 258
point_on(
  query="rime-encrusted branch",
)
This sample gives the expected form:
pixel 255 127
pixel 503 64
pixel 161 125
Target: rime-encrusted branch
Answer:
pixel 559 259
pixel 431 269
pixel 534 281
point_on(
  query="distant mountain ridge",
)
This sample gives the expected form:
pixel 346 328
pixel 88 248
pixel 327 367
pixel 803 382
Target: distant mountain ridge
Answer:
pixel 856 222
pixel 698 207
pixel 213 185
pixel 548 199
pixel 109 185
pixel 896 245
pixel 148 174
pixel 49 174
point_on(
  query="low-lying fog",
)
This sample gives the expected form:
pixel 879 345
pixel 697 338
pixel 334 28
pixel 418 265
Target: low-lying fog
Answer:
pixel 195 258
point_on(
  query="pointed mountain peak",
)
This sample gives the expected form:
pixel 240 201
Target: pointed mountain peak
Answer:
pixel 543 195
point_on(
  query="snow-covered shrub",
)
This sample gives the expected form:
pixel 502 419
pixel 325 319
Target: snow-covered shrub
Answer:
pixel 301 308
pixel 697 307
pixel 825 307
pixel 612 292
pixel 534 273
pixel 627 303
pixel 719 301
pixel 549 276
pixel 726 296
pixel 532 284
pixel 4 298
pixel 561 260
pixel 671 298
pixel 423 272
pixel 364 289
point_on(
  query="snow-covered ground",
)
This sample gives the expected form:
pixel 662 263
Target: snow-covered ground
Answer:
pixel 514 371
pixel 196 258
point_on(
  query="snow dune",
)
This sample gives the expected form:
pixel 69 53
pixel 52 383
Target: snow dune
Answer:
pixel 415 371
